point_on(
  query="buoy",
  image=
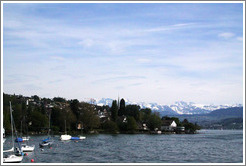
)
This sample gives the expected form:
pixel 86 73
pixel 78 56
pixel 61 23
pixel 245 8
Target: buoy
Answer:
pixel 50 147
pixel 32 160
pixel 26 154
pixel 23 141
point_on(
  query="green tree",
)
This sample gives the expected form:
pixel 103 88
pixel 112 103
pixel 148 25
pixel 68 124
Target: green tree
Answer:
pixel 145 114
pixel 88 116
pixel 154 121
pixel 131 124
pixel 133 110
pixel 110 126
pixel 59 99
pixel 39 121
pixel 114 111
pixel 75 107
pixel 122 107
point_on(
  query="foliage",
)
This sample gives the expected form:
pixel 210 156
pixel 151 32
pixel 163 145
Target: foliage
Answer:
pixel 173 118
pixel 131 124
pixel 190 127
pixel 59 99
pixel 154 121
pixel 133 110
pixel 122 109
pixel 88 116
pixel 114 111
pixel 38 121
pixel 110 126
pixel 36 115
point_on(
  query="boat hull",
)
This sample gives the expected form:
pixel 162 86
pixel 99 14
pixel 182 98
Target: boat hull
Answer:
pixel 45 144
pixel 65 137
pixel 12 159
pixel 26 148
pixel 77 138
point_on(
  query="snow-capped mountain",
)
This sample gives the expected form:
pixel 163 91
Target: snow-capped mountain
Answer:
pixel 179 107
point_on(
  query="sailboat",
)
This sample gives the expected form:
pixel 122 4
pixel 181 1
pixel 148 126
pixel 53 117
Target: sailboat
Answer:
pixel 19 139
pixel 65 136
pixel 18 155
pixel 48 141
pixel 26 147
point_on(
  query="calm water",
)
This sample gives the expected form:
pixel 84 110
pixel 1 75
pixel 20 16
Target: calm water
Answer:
pixel 215 146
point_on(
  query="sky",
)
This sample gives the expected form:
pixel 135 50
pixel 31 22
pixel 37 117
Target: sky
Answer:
pixel 143 52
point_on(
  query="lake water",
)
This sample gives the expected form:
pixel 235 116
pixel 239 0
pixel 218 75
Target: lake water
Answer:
pixel 209 146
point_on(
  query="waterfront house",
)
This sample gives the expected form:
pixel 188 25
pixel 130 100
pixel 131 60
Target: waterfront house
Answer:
pixel 168 125
pixel 142 127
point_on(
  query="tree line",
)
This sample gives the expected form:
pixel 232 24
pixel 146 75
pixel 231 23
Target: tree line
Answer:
pixel 33 116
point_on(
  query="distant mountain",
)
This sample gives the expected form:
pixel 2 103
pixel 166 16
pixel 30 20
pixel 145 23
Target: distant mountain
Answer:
pixel 234 111
pixel 178 108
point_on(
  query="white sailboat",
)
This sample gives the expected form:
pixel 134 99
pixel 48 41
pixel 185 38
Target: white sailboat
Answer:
pixel 65 137
pixel 25 147
pixel 12 159
pixel 18 155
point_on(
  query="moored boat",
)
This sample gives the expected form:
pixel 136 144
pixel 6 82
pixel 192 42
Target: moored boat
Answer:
pixel 17 154
pixel 65 137
pixel 78 138
pixel 27 148
pixel 12 158
pixel 46 142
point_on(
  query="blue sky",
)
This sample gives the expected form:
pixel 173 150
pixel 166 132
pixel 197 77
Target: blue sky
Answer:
pixel 144 52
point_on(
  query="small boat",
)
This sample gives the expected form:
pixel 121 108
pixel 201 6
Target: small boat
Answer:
pixel 4 139
pixel 17 154
pixel 65 137
pixel 12 158
pixel 27 148
pixel 46 142
pixel 78 138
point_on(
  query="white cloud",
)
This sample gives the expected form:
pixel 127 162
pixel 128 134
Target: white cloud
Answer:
pixel 86 42
pixel 143 60
pixel 59 58
pixel 226 35
pixel 132 56
pixel 240 38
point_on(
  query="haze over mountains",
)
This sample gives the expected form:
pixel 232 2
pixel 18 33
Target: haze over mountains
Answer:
pixel 178 108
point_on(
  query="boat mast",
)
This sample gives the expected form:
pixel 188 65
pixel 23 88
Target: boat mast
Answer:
pixel 49 124
pixel 11 120
pixel 65 128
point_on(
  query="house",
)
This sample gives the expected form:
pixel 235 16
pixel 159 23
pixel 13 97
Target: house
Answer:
pixel 142 127
pixel 122 119
pixel 168 125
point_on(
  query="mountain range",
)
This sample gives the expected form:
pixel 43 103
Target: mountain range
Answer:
pixel 178 108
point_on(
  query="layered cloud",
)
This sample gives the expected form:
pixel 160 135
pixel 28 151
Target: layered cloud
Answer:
pixel 144 52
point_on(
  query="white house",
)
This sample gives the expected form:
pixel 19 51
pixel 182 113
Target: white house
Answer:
pixel 168 125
